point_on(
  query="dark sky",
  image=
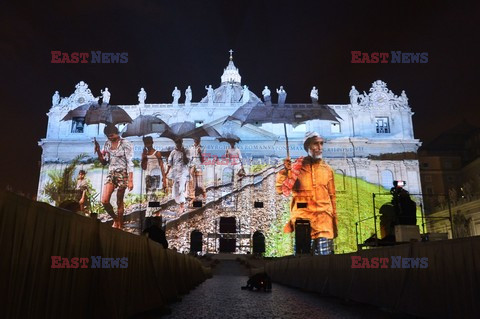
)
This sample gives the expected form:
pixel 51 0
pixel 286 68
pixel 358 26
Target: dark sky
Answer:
pixel 297 44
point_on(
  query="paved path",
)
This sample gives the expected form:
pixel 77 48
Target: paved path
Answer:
pixel 221 297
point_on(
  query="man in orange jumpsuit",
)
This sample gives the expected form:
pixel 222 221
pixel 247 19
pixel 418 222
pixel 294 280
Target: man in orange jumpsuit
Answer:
pixel 311 182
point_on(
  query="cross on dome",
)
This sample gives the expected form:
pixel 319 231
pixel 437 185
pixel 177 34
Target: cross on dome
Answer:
pixel 230 73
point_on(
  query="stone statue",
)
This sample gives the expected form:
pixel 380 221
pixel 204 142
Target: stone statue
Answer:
pixel 176 95
pixel 282 95
pixel 364 99
pixel 245 94
pixel 188 96
pixel 210 94
pixel 64 101
pixel 82 87
pixel 403 98
pixel 55 99
pixel 105 96
pixel 142 96
pixel 266 93
pixel 314 94
pixel 353 96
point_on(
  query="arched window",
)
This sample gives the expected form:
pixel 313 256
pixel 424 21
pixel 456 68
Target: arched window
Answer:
pixel 387 179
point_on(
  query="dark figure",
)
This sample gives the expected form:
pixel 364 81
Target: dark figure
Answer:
pixel 259 281
pixel 70 205
pixel 405 207
pixel 402 210
pixel 156 233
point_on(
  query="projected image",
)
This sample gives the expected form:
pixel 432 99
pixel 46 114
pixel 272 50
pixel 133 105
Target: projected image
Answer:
pixel 260 163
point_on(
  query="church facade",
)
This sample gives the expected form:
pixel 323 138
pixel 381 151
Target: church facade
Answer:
pixel 373 141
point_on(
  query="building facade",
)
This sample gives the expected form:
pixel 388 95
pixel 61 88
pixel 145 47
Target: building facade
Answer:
pixel 450 174
pixel 374 141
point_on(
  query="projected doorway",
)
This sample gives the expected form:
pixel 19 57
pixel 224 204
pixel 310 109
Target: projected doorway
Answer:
pixel 228 230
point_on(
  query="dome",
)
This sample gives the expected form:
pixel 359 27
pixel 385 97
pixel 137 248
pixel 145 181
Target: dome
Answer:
pixel 230 73
pixel 230 90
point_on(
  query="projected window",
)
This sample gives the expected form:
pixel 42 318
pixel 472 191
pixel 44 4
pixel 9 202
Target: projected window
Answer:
pixel 335 127
pixel 387 179
pixel 198 123
pixel 382 125
pixel 78 124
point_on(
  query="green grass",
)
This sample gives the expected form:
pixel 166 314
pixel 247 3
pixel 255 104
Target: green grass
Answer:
pixel 354 203
pixel 278 243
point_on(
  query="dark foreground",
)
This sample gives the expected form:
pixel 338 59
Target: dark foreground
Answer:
pixel 221 297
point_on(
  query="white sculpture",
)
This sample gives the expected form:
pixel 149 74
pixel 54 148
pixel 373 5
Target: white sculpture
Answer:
pixel 266 92
pixel 188 96
pixel 364 99
pixel 314 93
pixel 176 95
pixel 55 99
pixel 82 87
pixel 354 96
pixel 105 96
pixel 245 94
pixel 209 94
pixel 403 98
pixel 142 96
pixel 282 95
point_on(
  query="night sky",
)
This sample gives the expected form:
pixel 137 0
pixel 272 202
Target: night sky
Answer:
pixel 297 44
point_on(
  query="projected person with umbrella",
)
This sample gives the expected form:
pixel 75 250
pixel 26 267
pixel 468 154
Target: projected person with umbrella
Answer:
pixel 179 161
pixel 310 181
pixel 152 164
pixel 234 157
pixel 196 169
pixel 117 153
pixel 178 171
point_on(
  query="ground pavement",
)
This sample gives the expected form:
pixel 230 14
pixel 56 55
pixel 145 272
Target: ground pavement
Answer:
pixel 221 297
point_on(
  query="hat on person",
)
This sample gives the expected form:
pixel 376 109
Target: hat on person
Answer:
pixel 308 139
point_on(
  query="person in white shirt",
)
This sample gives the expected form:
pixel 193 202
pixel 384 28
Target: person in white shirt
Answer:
pixel 117 153
pixel 178 171
pixel 196 187
pixel 155 176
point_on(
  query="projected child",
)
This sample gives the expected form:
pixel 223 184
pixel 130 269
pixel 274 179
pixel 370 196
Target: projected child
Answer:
pixel 118 153
pixel 311 182
pixel 178 171
pixel 152 164
pixel 81 191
